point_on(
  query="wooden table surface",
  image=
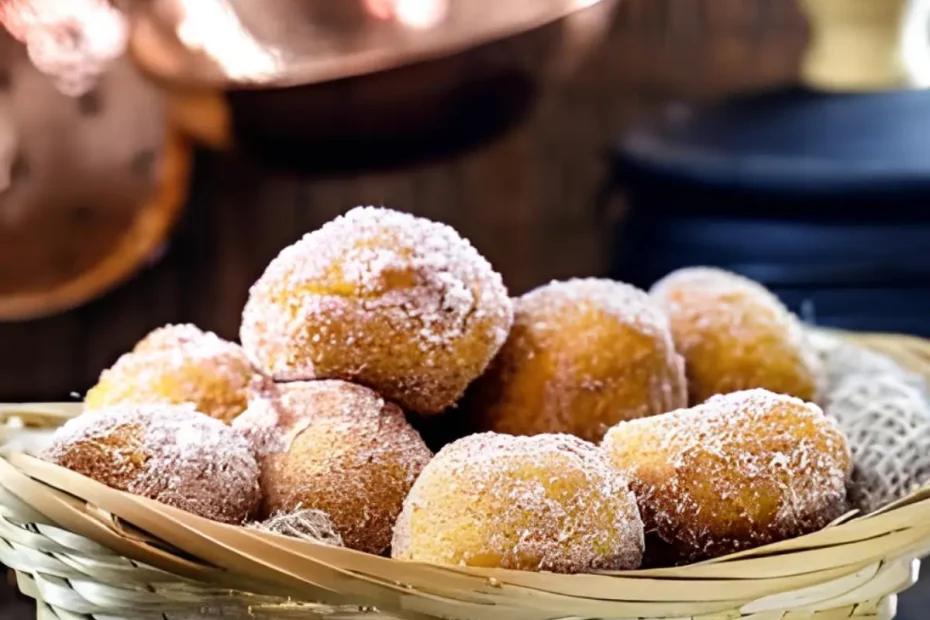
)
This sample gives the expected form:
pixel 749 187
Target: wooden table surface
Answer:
pixel 527 202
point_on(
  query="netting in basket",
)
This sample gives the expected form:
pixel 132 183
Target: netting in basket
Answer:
pixel 83 550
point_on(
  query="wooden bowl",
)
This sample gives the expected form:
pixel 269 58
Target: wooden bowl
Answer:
pixel 89 188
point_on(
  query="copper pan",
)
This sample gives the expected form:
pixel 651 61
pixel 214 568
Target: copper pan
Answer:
pixel 359 83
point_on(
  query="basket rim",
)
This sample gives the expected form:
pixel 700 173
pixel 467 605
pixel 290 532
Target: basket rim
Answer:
pixel 893 519
pixel 871 555
pixel 470 593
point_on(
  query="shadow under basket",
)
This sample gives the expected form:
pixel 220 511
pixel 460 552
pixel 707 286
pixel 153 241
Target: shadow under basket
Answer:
pixel 83 550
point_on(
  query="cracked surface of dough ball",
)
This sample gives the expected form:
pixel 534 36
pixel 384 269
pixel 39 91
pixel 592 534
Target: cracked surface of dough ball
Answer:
pixel 736 335
pixel 739 471
pixel 582 355
pixel 544 503
pixel 179 364
pixel 384 299
pixel 335 447
pixel 168 453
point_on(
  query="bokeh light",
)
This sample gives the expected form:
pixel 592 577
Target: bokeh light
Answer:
pixel 417 14
pixel 213 28
pixel 71 41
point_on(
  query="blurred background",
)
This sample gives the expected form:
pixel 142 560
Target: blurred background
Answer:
pixel 144 187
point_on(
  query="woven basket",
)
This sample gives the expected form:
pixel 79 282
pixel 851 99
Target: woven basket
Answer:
pixel 83 550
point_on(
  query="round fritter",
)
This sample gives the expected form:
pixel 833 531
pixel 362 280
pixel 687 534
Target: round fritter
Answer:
pixel 736 335
pixel 384 299
pixel 168 453
pixel 582 355
pixel 739 471
pixel 335 447
pixel 172 337
pixel 544 503
pixel 179 364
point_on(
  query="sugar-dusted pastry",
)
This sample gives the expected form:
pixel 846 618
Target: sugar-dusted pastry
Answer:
pixel 338 448
pixel 736 335
pixel 384 299
pixel 582 355
pixel 736 472
pixel 543 503
pixel 168 453
pixel 179 364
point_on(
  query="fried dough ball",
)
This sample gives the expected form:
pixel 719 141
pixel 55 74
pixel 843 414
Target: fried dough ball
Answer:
pixel 170 453
pixel 179 364
pixel 339 448
pixel 544 503
pixel 739 471
pixel 384 299
pixel 171 337
pixel 582 355
pixel 736 335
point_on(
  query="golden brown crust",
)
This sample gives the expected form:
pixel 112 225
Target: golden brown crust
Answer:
pixel 115 458
pixel 179 364
pixel 171 454
pixel 548 502
pixel 735 335
pixel 383 299
pixel 737 472
pixel 339 448
pixel 582 355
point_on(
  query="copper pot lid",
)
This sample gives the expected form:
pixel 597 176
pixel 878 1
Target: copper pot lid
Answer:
pixel 279 43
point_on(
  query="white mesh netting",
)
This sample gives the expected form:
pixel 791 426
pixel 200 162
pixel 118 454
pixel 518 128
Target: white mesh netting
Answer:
pixel 307 524
pixel 885 412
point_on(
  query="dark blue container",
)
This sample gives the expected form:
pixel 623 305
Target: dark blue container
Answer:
pixel 825 199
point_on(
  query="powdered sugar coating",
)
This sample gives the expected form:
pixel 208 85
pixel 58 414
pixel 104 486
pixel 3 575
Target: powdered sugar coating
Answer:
pixel 736 335
pixel 179 364
pixel 384 299
pixel 171 454
pixel 545 503
pixel 739 471
pixel 179 335
pixel 582 355
pixel 336 447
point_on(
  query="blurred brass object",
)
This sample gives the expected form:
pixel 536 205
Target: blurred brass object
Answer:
pixel 359 83
pixel 867 45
